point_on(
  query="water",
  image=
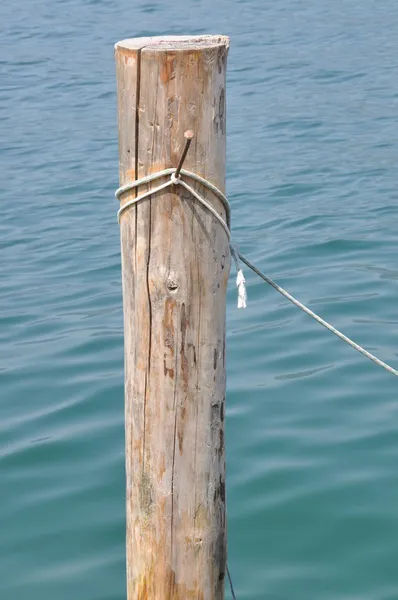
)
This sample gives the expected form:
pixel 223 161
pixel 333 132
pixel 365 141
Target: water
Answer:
pixel 312 427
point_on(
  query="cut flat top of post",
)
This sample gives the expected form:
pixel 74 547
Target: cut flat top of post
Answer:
pixel 174 42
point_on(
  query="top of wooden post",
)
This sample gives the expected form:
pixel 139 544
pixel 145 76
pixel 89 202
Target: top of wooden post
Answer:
pixel 174 42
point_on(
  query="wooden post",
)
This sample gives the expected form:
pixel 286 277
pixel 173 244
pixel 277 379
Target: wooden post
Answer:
pixel 175 268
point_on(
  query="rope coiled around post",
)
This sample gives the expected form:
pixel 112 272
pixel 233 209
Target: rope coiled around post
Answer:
pixel 173 180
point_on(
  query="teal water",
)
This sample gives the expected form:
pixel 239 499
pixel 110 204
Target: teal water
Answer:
pixel 312 427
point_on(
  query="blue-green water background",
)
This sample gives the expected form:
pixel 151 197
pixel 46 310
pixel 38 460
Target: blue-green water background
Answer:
pixel 312 427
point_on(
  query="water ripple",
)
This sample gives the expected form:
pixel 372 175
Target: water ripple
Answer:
pixel 311 425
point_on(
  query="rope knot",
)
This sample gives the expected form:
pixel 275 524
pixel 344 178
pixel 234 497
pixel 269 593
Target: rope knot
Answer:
pixel 175 180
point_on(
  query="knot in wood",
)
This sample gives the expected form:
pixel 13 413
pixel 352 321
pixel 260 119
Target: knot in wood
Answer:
pixel 172 283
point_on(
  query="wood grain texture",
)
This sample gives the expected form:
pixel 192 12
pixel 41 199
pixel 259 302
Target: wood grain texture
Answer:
pixel 175 268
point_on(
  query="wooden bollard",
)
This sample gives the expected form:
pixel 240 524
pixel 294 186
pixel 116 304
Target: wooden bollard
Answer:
pixel 175 268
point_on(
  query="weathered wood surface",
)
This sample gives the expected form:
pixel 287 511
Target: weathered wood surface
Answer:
pixel 175 268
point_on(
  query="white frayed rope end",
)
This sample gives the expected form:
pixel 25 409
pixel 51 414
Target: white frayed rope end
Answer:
pixel 240 278
pixel 242 293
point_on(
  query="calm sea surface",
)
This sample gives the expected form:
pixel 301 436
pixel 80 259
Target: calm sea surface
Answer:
pixel 312 427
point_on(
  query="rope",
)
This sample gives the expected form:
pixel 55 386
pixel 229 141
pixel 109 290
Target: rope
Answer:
pixel 317 318
pixel 231 584
pixel 177 180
